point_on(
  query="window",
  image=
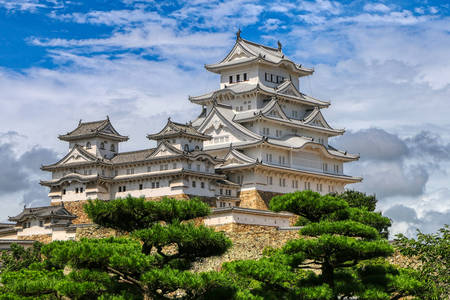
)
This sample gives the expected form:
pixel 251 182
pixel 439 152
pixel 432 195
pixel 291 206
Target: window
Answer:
pixel 164 167
pixel 130 171
pixel 124 188
pixel 186 147
pixel 268 157
pixel 228 192
pixel 336 168
pixel 81 190
pixel 207 168
pixel 113 148
pixel 325 167
pixel 245 76
pixel 307 185
pixel 194 184
pixel 198 167
pixel 174 165
pixel 281 160
pixel 76 190
pixel 278 133
pixel 141 186
pixel 202 185
pixel 64 191
pixel 282 182
pixel 149 169
pixel 238 78
pixel 153 185
pixel 240 179
pixel 221 191
pixel 269 180
pixel 116 172
pixel 102 145
pixel 266 76
pixel 266 131
pixel 295 114
pixel 189 166
pixel 271 77
pixel 88 145
pixel 120 189
pixel 41 223
pixel 230 79
pixel 103 172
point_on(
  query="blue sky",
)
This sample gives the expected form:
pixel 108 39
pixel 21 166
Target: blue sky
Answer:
pixel 384 65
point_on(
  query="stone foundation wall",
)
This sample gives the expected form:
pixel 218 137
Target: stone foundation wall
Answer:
pixel 76 208
pixel 256 199
pixel 249 242
pixel 96 232
pixel 43 238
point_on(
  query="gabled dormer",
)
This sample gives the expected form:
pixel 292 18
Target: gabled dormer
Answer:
pixel 98 138
pixel 183 137
pixel 253 63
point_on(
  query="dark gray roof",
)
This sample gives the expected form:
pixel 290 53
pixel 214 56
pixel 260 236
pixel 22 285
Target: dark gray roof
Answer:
pixel 177 129
pixel 42 212
pixel 90 129
pixel 132 156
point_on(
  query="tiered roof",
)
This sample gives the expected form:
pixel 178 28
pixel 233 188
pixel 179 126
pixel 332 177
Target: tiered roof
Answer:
pixel 235 159
pixel 285 91
pixel 313 119
pixel 102 128
pixel 173 129
pixel 246 52
pixel 42 212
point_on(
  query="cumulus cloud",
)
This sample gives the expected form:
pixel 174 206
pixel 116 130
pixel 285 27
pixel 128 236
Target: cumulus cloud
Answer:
pixel 384 67
pixel 380 7
pixel 19 184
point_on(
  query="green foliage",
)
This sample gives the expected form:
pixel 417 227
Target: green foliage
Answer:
pixel 131 213
pixel 192 241
pixel 358 199
pixel 433 252
pixel 309 205
pixel 151 262
pixel 342 239
pixel 18 257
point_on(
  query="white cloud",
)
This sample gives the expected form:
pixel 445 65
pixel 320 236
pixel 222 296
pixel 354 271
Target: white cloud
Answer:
pixel 378 7
pixel 380 68
pixel 29 5
pixel 271 25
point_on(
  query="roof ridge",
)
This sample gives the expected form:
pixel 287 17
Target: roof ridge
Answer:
pixel 92 122
pixel 134 151
pixel 260 45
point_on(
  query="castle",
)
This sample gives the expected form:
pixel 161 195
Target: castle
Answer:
pixel 257 136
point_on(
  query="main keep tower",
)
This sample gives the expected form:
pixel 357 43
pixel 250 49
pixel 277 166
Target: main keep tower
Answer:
pixel 273 138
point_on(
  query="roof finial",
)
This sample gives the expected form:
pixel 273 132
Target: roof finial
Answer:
pixel 238 34
pixel 279 46
pixel 79 122
pixel 107 117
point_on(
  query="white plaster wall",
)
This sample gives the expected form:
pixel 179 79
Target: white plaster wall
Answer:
pixel 8 236
pixel 276 71
pixel 60 234
pixel 252 75
pixel 246 218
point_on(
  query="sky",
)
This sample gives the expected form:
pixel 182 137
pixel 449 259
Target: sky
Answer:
pixel 384 66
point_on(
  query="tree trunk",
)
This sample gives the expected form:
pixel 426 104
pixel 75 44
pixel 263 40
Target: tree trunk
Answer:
pixel 328 276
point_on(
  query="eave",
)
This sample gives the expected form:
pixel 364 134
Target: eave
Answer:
pixel 119 138
pixel 329 132
pixel 344 178
pixel 294 68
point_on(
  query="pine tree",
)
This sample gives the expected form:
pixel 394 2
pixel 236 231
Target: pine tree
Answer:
pixel 343 244
pixel 153 261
